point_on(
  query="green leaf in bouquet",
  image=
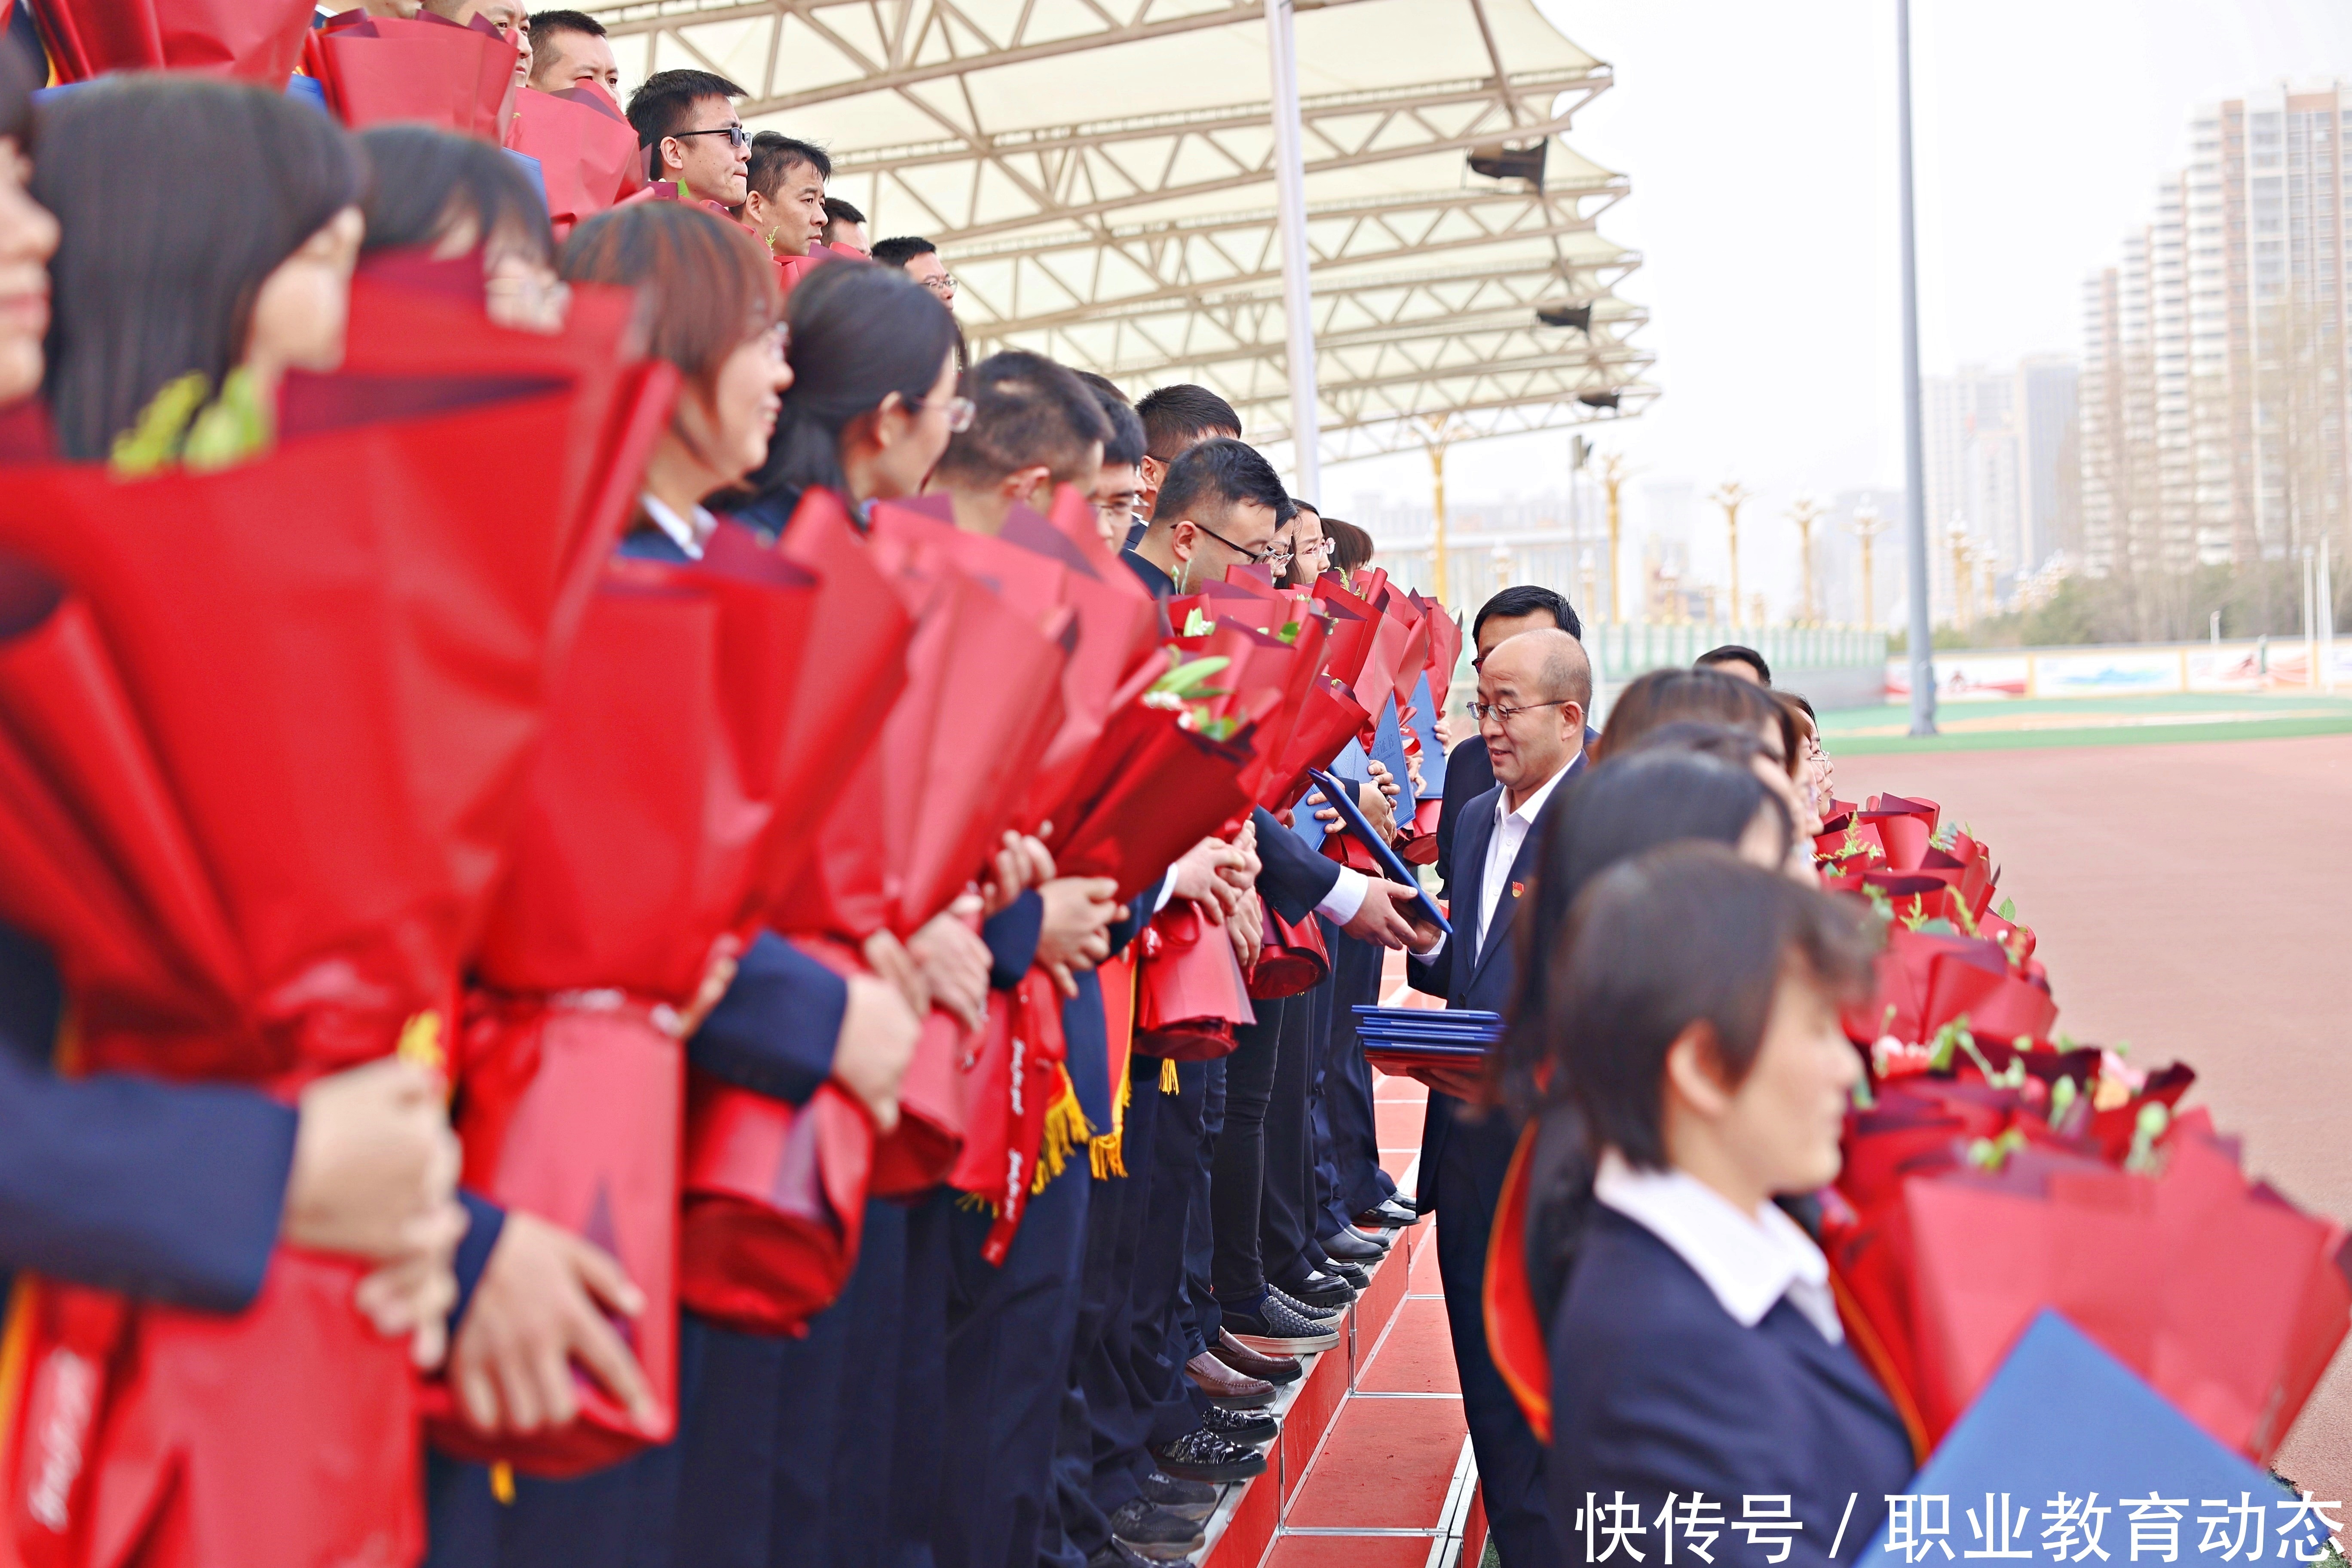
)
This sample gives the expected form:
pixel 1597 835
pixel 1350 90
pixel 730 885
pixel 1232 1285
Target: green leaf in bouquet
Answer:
pixel 1862 1099
pixel 1289 632
pixel 1947 1040
pixel 1197 623
pixel 1880 904
pixel 2008 910
pixel 231 429
pixel 1992 1153
pixel 2145 1160
pixel 2063 1095
pixel 1186 680
pixel 1936 926
pixel 153 439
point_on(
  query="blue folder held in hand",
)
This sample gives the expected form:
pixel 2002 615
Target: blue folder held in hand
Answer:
pixel 2067 1431
pixel 1351 817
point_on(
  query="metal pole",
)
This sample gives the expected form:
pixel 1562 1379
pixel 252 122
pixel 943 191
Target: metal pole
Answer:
pixel 1915 458
pixel 2325 597
pixel 1437 519
pixel 1298 302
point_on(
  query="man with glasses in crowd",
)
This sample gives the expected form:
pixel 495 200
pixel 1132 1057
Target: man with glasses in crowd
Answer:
pixel 688 119
pixel 918 258
pixel 1533 692
pixel 1468 773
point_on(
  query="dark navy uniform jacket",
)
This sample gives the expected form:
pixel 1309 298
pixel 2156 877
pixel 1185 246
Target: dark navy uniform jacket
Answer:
pixel 160 1190
pixel 1657 1390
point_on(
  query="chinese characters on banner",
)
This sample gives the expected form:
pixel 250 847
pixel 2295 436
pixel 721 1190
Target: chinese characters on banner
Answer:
pixel 2151 1528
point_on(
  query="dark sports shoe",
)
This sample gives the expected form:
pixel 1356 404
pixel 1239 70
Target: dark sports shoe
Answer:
pixel 1277 1329
pixel 1202 1455
pixel 1118 1553
pixel 1187 1499
pixel 1323 1315
pixel 1318 1288
pixel 1390 1215
pixel 1154 1531
pixel 1357 1278
pixel 1241 1425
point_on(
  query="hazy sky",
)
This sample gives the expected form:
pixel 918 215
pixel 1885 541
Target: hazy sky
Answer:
pixel 1760 139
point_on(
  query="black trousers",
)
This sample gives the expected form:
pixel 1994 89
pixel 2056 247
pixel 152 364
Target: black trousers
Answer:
pixel 1351 1177
pixel 1287 1227
pixel 1238 1164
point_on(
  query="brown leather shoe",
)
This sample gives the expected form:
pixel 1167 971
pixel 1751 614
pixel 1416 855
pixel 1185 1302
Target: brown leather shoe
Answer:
pixel 1224 1386
pixel 1274 1368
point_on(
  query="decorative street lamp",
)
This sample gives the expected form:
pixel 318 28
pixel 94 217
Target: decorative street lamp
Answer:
pixel 1728 496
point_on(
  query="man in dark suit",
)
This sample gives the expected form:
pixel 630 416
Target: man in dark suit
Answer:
pixel 1524 607
pixel 1533 691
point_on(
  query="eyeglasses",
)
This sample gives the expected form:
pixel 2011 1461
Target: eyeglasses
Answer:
pixel 960 411
pixel 1255 557
pixel 1482 711
pixel 1321 547
pixel 943 284
pixel 737 137
pixel 777 340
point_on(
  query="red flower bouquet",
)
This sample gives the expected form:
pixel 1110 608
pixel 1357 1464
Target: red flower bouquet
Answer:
pixel 377 70
pixel 275 740
pixel 249 39
pixel 666 737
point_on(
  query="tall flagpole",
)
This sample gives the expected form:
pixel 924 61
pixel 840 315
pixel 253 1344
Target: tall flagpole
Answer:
pixel 1290 200
pixel 1914 462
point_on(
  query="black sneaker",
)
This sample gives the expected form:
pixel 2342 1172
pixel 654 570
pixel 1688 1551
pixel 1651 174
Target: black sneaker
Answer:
pixel 1274 1329
pixel 1186 1500
pixel 1241 1425
pixel 1118 1553
pixel 1202 1455
pixel 1320 1289
pixel 1389 1215
pixel 1323 1315
pixel 1154 1531
pixel 1358 1279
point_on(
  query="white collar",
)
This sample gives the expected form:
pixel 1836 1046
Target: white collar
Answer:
pixel 1748 1261
pixel 689 534
pixel 1534 804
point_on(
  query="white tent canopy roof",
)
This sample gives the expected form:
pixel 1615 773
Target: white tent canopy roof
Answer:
pixel 1098 174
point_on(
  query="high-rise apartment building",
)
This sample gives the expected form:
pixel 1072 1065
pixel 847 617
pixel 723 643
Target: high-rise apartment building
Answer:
pixel 2001 452
pixel 2215 370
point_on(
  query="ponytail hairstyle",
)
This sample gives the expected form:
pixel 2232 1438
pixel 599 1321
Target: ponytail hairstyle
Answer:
pixel 859 332
pixel 166 252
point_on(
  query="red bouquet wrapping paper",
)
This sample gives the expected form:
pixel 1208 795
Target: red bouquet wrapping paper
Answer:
pixel 1017 1066
pixel 376 70
pixel 1293 959
pixel 1190 995
pixel 586 149
pixel 775 1202
pixel 254 40
pixel 290 747
pixel 666 737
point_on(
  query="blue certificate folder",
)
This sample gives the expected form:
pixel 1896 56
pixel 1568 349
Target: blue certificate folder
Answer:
pixel 2063 1417
pixel 1464 1035
pixel 1351 817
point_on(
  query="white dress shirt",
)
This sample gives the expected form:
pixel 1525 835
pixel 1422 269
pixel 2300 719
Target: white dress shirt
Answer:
pixel 1748 1261
pixel 688 533
pixel 1511 830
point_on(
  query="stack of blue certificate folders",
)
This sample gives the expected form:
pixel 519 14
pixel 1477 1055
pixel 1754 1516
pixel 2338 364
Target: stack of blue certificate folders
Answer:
pixel 1445 1050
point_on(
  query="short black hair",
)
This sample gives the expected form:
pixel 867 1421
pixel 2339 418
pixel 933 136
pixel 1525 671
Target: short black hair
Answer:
pixel 1218 475
pixel 1123 447
pixel 1688 934
pixel 1175 417
pixel 905 247
pixel 546 25
pixel 1026 410
pixel 1527 599
pixel 774 153
pixel 838 211
pixel 1733 653
pixel 665 102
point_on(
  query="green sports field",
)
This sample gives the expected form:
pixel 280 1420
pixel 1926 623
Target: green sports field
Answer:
pixel 2009 723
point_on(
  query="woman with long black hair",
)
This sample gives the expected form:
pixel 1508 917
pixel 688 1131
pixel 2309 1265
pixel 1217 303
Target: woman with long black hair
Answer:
pixel 873 400
pixel 215 262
